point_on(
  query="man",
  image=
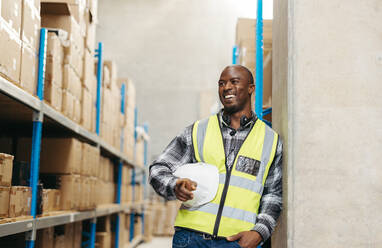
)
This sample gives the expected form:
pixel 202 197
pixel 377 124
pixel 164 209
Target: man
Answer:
pixel 248 156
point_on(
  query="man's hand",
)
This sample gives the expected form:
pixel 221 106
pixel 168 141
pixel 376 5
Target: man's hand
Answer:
pixel 247 239
pixel 183 189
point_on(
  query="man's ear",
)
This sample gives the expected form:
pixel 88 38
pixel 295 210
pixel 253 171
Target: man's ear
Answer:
pixel 251 88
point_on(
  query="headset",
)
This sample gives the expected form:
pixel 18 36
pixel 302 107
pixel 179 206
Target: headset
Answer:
pixel 243 120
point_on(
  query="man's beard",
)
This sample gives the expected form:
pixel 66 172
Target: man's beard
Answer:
pixel 231 110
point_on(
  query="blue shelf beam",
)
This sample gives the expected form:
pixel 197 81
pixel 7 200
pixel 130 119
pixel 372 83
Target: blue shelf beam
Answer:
pixel 267 111
pixel 99 85
pixel 235 55
pixel 259 61
pixel 37 133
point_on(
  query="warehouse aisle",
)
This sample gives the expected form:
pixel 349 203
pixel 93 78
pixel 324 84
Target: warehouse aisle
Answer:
pixel 158 242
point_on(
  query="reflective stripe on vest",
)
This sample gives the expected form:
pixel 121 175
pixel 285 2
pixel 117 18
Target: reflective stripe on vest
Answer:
pixel 244 192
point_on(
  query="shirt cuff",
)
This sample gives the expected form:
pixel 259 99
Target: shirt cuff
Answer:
pixel 171 189
pixel 262 230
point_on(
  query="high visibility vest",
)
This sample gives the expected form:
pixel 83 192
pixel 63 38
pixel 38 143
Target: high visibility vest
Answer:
pixel 235 206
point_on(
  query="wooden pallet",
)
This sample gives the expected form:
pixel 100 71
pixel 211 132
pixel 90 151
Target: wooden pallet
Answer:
pixel 54 213
pixel 14 219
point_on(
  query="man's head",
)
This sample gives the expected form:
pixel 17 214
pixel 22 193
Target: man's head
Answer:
pixel 235 88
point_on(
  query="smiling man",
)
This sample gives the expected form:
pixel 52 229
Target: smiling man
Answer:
pixel 248 155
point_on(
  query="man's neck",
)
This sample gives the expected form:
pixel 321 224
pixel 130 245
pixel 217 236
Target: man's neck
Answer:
pixel 235 117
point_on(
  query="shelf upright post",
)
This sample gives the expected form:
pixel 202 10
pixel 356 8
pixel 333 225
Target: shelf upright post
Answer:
pixel 93 227
pixel 99 85
pixel 132 215
pixel 145 163
pixel 235 54
pixel 259 61
pixel 120 164
pixel 36 135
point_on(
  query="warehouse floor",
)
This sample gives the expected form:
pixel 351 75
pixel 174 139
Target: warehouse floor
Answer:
pixel 158 242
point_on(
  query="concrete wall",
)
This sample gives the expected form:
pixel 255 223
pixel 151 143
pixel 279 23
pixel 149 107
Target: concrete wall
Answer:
pixel 328 108
pixel 174 51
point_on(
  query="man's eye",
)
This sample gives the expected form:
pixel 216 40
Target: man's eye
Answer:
pixel 221 83
pixel 235 81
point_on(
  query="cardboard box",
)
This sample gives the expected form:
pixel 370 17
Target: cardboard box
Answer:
pixel 90 38
pixel 45 238
pixel 70 192
pixel 51 200
pixel 4 201
pixel 54 71
pixel 74 57
pixel 137 225
pixel 77 110
pixel 148 226
pixel 30 27
pixel 88 71
pixel 67 104
pixel 77 239
pixel 112 68
pixel 139 152
pixel 16 201
pixel 27 195
pixel 11 13
pixel 246 28
pixel 86 109
pixel 126 174
pixel 90 159
pixel 10 44
pixel 55 48
pixel 160 219
pixel 103 239
pixel 28 69
pixel 64 235
pixel 92 5
pixel 36 4
pixel 54 60
pixel 53 95
pixel 67 23
pixel 60 156
pixel 6 165
pixel 72 82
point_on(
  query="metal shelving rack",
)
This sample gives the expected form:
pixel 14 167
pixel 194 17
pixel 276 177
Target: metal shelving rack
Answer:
pixel 259 65
pixel 41 110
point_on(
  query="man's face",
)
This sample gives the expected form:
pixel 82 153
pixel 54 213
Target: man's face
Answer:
pixel 235 89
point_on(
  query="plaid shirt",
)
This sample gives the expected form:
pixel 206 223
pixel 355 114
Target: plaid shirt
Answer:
pixel 180 151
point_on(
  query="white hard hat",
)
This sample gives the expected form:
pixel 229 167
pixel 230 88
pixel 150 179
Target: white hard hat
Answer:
pixel 207 178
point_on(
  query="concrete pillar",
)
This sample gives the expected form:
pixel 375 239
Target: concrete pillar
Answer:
pixel 327 106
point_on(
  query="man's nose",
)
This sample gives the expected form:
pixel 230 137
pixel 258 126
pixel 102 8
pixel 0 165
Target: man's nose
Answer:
pixel 228 85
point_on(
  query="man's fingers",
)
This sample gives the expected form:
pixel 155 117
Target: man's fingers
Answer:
pixel 185 191
pixel 234 237
pixel 183 195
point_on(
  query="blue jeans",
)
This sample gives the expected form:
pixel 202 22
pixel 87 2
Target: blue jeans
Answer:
pixel 188 239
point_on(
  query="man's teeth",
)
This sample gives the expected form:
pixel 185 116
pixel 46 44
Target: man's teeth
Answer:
pixel 229 96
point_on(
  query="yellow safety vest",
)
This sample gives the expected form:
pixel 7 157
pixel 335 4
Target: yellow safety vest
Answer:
pixel 235 206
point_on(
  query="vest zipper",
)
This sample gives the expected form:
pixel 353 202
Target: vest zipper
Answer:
pixel 222 200
pixel 226 184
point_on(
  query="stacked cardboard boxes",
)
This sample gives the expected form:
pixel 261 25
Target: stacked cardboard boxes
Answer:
pixel 77 70
pixel 54 71
pixel 105 184
pixel 162 217
pixel 111 106
pixel 126 187
pixel 19 40
pixel 128 120
pixel 63 236
pixel 245 40
pixel 14 200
